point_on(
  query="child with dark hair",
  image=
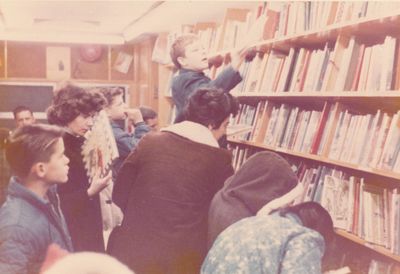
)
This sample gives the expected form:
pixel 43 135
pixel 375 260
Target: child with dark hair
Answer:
pixel 189 56
pixel 149 117
pixel 31 219
pixel 73 108
pixel 165 187
pixel 291 240
pixel 118 111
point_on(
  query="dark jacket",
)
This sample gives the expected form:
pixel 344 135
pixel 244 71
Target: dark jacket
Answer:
pixel 126 142
pixel 188 81
pixel 28 225
pixel 164 189
pixel 83 214
pixel 262 178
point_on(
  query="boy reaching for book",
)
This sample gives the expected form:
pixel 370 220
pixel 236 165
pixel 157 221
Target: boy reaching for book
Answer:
pixel 190 58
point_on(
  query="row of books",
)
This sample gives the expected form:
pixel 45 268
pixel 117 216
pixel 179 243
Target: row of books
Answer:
pixel 273 19
pixel 276 19
pixel 379 267
pixel 297 17
pixel 362 208
pixel 335 132
pixel 349 66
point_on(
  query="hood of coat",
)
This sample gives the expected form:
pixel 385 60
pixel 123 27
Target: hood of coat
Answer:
pixel 262 178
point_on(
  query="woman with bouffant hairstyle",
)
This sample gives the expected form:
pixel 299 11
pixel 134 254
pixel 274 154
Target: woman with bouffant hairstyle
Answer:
pixel 73 108
pixel 166 184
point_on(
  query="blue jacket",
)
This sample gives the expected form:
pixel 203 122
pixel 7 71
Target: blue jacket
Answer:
pixel 28 225
pixel 126 142
pixel 188 81
pixel 270 244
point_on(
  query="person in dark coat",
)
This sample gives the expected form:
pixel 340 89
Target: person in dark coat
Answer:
pixel 30 218
pixel 262 178
pixel 73 108
pixel 165 187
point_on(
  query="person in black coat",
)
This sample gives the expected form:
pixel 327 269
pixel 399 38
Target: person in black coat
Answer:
pixel 165 186
pixel 73 108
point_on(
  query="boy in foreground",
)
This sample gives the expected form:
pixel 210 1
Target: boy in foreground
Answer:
pixel 31 219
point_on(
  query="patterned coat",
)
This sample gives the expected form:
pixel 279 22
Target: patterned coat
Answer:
pixel 270 244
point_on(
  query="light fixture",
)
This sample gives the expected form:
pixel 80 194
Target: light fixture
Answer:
pixel 65 37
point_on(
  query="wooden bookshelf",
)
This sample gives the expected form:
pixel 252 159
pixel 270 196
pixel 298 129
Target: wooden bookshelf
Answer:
pixel 369 29
pixel 382 173
pixel 380 249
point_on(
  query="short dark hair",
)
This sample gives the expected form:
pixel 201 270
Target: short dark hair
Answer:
pixel 313 216
pixel 30 144
pixel 147 113
pixel 19 109
pixel 109 93
pixel 178 47
pixel 71 101
pixel 210 106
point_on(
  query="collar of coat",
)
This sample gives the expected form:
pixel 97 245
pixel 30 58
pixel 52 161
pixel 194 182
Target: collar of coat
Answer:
pixel 194 132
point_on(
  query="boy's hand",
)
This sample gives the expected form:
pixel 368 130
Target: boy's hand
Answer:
pixel 134 115
pixel 238 55
pixel 98 184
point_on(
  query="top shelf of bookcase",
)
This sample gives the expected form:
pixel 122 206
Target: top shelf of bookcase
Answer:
pixel 370 30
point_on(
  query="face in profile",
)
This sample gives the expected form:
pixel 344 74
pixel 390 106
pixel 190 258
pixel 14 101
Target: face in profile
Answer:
pixel 56 169
pixel 81 124
pixel 152 123
pixel 23 118
pixel 116 111
pixel 195 57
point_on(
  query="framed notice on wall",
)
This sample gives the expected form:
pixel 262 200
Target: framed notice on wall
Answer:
pixel 58 63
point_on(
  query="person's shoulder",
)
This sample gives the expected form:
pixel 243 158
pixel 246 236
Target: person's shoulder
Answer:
pixel 17 214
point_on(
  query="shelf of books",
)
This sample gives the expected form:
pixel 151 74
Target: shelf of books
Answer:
pixel 377 248
pixel 322 88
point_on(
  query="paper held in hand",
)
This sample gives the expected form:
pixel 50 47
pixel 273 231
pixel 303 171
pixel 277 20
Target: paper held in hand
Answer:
pixel 99 149
pixel 233 130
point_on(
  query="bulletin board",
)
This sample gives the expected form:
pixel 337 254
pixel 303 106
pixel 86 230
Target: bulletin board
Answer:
pixel 36 96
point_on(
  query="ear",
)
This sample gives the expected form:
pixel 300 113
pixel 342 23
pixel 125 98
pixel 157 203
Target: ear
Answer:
pixel 39 169
pixel 181 60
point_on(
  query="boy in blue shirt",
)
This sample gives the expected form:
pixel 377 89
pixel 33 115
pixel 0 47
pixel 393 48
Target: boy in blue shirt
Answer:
pixel 190 58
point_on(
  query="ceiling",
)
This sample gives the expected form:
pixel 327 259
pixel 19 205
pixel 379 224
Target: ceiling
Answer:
pixel 103 22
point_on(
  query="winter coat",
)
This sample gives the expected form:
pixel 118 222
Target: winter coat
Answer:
pixel 164 189
pixel 266 244
pixel 262 178
pixel 83 214
pixel 188 81
pixel 28 225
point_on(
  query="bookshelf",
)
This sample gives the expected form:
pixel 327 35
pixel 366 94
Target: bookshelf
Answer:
pixel 362 25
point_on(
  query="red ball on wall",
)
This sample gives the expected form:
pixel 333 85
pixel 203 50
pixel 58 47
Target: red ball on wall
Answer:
pixel 90 53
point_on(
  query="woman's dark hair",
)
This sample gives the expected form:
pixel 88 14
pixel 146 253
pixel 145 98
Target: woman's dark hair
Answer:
pixel 71 101
pixel 210 106
pixel 313 216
